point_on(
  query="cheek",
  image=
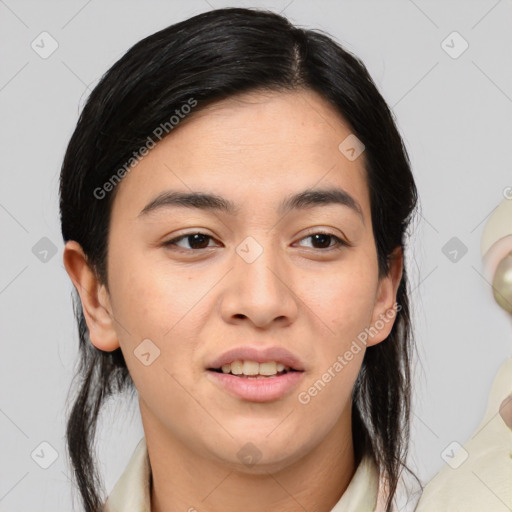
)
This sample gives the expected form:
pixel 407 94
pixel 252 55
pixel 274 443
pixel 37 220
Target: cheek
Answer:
pixel 151 299
pixel 343 305
pixel 343 299
pixel 346 307
pixel 170 308
pixel 152 305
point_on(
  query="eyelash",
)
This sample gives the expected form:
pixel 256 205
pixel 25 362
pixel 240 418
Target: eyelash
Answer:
pixel 339 243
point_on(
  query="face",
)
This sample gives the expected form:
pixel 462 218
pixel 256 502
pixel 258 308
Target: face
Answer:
pixel 198 282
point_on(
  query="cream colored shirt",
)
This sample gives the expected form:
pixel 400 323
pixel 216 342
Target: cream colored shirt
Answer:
pixel 478 477
pixel 132 491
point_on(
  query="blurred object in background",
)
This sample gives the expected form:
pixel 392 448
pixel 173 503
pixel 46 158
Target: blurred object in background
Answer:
pixel 477 477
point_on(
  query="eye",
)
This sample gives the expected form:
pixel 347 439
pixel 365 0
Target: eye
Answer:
pixel 196 241
pixel 323 239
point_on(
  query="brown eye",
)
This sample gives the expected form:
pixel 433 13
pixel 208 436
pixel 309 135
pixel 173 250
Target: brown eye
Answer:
pixel 195 240
pixel 323 241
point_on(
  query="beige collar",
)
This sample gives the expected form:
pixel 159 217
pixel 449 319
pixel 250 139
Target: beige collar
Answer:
pixel 132 493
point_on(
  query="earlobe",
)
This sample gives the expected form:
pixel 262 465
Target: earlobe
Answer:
pixel 94 298
pixel 385 309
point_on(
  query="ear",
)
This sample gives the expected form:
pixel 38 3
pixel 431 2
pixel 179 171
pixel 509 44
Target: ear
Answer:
pixel 94 297
pixel 386 309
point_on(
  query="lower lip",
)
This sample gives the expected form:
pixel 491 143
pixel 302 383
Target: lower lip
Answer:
pixel 266 389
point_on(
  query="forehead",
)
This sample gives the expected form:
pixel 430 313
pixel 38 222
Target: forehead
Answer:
pixel 255 145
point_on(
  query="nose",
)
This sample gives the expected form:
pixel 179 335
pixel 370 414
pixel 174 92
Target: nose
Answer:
pixel 260 288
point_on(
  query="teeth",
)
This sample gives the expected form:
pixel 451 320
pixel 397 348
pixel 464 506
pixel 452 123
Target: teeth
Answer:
pixel 251 368
pixel 268 368
pixel 236 367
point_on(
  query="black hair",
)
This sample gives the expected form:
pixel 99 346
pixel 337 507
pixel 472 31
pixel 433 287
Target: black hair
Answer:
pixel 210 57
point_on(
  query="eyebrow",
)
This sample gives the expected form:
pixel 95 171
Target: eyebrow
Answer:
pixel 213 202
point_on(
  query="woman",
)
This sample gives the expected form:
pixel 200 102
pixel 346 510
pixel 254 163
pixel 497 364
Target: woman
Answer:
pixel 234 202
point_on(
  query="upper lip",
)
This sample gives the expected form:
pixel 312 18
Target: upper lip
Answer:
pixel 259 355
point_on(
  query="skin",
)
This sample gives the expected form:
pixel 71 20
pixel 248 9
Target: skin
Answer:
pixel 253 149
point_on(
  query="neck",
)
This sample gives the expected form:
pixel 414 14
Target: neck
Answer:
pixel 183 479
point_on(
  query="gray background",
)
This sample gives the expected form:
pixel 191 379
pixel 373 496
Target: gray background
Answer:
pixel 454 114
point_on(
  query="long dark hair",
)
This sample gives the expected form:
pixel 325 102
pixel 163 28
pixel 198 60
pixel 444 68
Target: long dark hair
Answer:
pixel 209 57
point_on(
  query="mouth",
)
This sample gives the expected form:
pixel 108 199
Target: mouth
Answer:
pixel 256 382
pixel 257 374
pixel 254 370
